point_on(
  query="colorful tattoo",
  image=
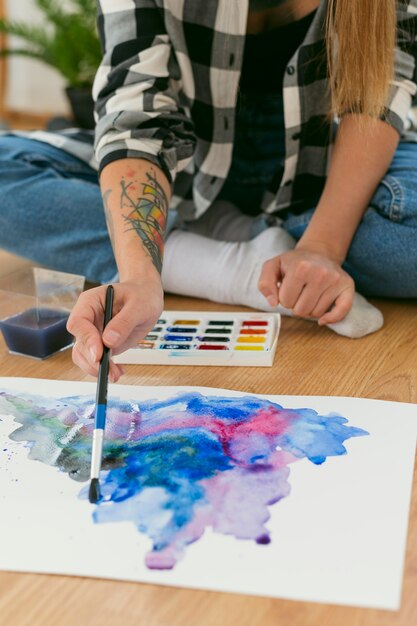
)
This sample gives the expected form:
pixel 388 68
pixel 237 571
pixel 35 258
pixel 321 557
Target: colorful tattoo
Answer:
pixel 148 212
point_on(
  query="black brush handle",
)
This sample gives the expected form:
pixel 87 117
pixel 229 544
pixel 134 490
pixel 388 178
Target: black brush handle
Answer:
pixel 103 371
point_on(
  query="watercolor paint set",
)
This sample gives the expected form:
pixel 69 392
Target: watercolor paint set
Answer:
pixel 203 338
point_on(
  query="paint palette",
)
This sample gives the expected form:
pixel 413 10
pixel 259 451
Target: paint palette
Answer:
pixel 201 338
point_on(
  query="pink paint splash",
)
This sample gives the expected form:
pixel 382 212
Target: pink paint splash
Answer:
pixel 179 466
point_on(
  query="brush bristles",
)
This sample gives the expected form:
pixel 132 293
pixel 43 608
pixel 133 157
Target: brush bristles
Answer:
pixel 94 491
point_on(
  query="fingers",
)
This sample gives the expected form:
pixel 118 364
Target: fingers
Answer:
pixel 84 323
pixel 292 286
pixel 269 279
pixel 131 340
pixel 88 347
pixel 307 302
pixel 321 299
pixel 81 360
pixel 120 327
pixel 115 371
pixel 326 301
pixel 341 307
pixel 136 308
pixel 310 285
pixel 124 327
pixel 89 341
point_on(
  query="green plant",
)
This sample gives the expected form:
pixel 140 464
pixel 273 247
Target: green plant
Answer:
pixel 68 42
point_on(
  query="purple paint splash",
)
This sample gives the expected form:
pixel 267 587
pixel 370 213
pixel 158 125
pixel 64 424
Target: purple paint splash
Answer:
pixel 178 466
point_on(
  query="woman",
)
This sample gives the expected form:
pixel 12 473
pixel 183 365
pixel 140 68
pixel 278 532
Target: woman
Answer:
pixel 256 122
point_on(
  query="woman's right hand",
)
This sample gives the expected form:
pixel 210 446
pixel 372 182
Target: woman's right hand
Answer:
pixel 137 307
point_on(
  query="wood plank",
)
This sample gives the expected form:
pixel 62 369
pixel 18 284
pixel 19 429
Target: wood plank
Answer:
pixel 309 361
pixel 19 120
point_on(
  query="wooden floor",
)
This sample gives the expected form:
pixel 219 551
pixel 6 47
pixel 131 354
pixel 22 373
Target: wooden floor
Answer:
pixel 309 361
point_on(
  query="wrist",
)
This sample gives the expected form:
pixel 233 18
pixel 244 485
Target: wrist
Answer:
pixel 138 271
pixel 321 247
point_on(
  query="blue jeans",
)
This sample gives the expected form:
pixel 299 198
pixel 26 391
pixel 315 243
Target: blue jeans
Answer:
pixel 51 212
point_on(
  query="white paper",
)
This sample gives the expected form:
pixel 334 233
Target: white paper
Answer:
pixel 338 537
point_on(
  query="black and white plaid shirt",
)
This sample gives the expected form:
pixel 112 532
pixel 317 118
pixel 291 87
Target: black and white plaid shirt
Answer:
pixel 167 88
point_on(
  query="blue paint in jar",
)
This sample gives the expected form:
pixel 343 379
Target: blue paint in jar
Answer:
pixel 37 332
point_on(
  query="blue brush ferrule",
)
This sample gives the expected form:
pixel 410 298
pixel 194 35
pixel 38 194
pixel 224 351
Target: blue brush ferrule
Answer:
pixel 100 420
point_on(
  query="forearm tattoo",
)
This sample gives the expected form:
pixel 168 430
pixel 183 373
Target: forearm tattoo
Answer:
pixel 144 208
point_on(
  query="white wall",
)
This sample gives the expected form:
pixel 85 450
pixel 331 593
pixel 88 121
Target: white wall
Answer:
pixel 31 86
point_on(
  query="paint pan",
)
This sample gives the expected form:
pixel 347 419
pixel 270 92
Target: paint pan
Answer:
pixel 204 338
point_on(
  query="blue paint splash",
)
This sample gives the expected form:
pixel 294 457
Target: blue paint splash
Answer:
pixel 176 467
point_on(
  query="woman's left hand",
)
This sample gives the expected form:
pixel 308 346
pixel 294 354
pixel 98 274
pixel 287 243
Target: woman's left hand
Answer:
pixel 309 283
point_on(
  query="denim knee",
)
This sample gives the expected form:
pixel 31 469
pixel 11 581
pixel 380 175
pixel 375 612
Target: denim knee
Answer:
pixel 383 255
pixel 51 209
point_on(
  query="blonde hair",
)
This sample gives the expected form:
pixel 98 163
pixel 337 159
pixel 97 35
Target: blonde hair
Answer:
pixel 361 37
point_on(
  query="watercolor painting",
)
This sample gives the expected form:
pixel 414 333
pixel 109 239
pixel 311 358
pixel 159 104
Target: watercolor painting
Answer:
pixel 178 466
pixel 277 496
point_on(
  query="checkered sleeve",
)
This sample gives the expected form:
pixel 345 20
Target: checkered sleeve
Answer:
pixel 404 86
pixel 136 100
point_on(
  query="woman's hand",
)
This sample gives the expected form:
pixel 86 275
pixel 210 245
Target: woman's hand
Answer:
pixel 309 283
pixel 309 280
pixel 137 306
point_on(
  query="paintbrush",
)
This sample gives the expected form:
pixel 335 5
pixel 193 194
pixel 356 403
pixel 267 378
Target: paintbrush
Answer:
pixel 101 407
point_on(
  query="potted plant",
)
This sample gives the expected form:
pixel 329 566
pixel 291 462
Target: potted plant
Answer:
pixel 67 42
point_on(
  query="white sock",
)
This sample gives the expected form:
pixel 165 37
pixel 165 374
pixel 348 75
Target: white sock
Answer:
pixel 222 271
pixel 223 221
pixel 228 272
pixel 363 319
